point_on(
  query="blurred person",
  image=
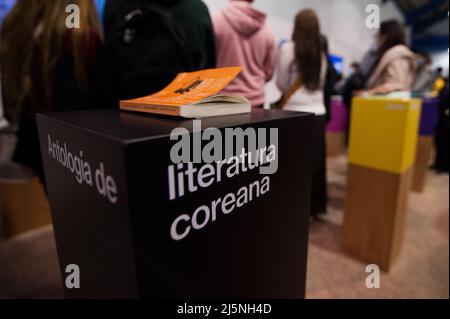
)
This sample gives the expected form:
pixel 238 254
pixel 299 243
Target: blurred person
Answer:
pixel 47 67
pixel 369 59
pixel 395 66
pixel 150 41
pixel 426 75
pixel 441 161
pixel 354 68
pixel 359 75
pixel 331 79
pixel 341 84
pixel 5 7
pixel 301 76
pixel 244 39
pixel 439 83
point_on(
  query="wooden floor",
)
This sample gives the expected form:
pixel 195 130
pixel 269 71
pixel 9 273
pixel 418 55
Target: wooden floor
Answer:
pixel 29 267
pixel 420 271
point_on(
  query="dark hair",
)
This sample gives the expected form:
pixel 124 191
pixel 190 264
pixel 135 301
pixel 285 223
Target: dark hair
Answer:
pixel 33 37
pixel 308 49
pixel 424 56
pixel 324 44
pixel 393 33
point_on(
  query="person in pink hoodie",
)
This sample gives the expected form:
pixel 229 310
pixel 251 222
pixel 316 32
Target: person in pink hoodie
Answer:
pixel 244 39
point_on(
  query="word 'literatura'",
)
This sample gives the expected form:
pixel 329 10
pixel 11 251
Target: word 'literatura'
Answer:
pixel 185 177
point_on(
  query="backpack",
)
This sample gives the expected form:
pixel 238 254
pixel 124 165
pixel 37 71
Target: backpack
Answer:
pixel 146 46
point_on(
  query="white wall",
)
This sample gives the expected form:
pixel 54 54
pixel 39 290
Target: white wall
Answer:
pixel 342 21
pixel 440 59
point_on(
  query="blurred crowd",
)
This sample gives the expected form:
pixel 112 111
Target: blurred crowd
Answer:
pixel 130 48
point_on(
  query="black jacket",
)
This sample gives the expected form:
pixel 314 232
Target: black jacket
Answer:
pixel 66 97
pixel 332 77
pixel 193 15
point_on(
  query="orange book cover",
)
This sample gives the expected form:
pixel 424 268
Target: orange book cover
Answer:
pixel 185 90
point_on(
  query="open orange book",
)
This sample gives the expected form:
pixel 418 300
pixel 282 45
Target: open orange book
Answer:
pixel 193 95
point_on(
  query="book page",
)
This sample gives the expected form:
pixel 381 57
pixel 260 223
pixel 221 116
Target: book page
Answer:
pixel 189 88
pixel 223 99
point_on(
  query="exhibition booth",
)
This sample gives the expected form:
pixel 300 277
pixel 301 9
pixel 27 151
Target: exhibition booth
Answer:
pixel 156 156
pixel 123 210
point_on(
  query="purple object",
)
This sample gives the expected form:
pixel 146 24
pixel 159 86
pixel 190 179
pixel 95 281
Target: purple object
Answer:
pixel 339 116
pixel 429 116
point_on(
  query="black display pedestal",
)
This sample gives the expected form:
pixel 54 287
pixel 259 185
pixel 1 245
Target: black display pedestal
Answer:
pixel 108 186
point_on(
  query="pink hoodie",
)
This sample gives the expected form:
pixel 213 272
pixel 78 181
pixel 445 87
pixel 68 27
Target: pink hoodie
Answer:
pixel 244 39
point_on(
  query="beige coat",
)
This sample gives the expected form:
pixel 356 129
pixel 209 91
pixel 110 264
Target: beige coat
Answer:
pixel 395 71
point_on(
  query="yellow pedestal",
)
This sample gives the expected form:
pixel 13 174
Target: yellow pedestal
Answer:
pixel 382 149
pixel 383 133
